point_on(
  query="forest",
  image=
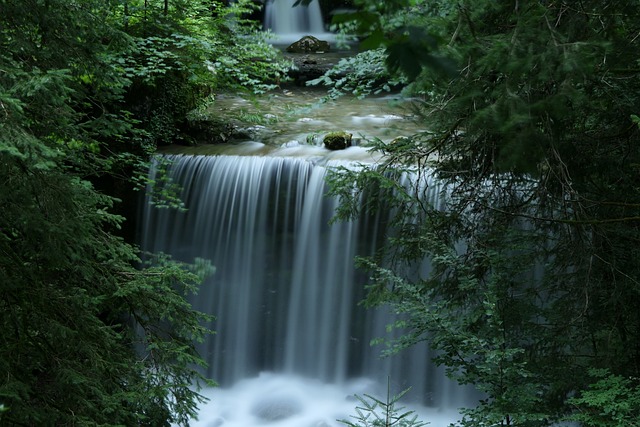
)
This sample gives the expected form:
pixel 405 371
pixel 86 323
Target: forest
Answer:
pixel 532 109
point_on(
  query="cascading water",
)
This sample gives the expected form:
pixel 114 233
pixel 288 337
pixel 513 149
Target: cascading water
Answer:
pixel 292 342
pixel 289 22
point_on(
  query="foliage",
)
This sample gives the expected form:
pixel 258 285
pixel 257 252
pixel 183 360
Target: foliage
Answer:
pixel 522 196
pixel 378 413
pixel 612 401
pixel 186 52
pixel 360 75
pixel 87 338
pixel 395 44
pixel 90 334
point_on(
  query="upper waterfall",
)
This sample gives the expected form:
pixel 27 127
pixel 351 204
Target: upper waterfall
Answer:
pixel 290 23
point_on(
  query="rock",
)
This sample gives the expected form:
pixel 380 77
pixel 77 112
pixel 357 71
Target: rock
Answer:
pixel 209 130
pixel 276 408
pixel 311 65
pixel 337 140
pixel 308 44
pixel 292 143
pixel 251 133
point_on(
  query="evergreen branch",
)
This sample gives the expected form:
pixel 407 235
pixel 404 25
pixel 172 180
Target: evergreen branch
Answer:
pixel 561 221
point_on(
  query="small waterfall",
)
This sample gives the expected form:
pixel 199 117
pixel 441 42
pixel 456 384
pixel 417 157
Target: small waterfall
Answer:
pixel 285 20
pixel 285 293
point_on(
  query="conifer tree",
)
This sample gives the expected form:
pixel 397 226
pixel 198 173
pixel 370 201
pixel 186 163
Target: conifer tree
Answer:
pixel 530 108
pixel 89 333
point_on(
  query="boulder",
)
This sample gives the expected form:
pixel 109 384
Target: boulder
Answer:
pixel 337 140
pixel 208 130
pixel 308 44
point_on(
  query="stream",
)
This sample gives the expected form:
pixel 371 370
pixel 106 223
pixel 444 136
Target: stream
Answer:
pixel 284 357
pixel 292 343
pixel 292 122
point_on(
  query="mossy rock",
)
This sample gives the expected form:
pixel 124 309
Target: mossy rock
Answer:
pixel 308 44
pixel 337 140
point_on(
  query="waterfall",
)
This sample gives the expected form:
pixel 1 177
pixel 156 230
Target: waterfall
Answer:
pixel 285 293
pixel 285 20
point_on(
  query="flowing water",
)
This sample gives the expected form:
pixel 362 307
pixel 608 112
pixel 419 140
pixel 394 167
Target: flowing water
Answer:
pixel 292 344
pixel 290 23
pixel 293 121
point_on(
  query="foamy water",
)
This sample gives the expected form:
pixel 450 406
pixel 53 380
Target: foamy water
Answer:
pixel 289 401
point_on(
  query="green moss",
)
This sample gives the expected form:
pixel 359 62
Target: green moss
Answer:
pixel 337 140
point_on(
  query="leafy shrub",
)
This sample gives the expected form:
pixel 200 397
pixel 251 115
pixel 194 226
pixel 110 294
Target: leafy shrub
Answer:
pixel 612 401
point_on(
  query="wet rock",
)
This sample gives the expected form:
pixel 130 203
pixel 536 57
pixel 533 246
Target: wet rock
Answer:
pixel 276 408
pixel 219 131
pixel 292 143
pixel 337 140
pixel 209 130
pixel 309 66
pixel 251 133
pixel 308 44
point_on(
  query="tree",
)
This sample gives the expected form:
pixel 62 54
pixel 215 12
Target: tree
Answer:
pixel 90 334
pixel 383 413
pixel 87 338
pixel 183 53
pixel 533 278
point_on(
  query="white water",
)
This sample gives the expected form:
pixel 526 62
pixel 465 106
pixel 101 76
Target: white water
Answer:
pixel 291 337
pixel 290 23
pixel 310 402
